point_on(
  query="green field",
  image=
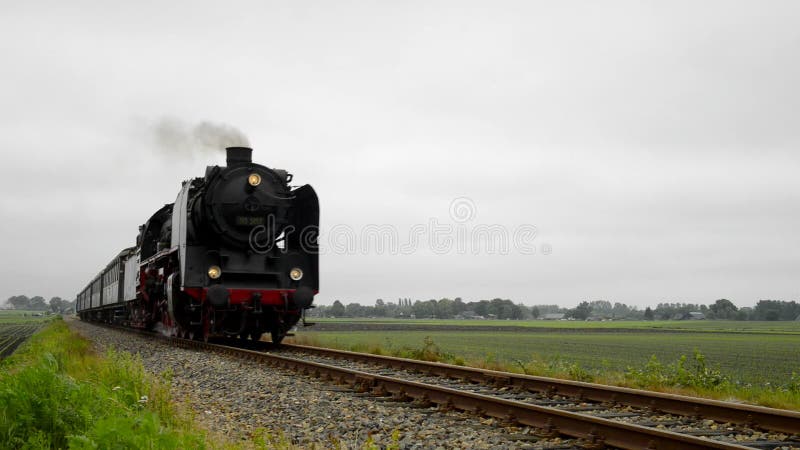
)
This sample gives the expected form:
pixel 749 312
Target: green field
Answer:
pixel 748 352
pixel 18 316
pixel 727 326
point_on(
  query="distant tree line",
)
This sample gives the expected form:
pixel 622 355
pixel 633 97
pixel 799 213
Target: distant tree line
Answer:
pixel 37 303
pixel 504 309
pixel 431 309
pixel 722 309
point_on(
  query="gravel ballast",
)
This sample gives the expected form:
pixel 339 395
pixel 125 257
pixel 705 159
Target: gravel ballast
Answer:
pixel 234 398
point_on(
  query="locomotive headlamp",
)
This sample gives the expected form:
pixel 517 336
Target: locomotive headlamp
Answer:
pixel 214 272
pixel 254 179
pixel 296 274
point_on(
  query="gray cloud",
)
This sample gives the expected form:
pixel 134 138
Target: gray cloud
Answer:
pixel 653 145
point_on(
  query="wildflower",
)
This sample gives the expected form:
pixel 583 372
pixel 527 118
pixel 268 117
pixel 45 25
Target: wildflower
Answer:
pixel 143 399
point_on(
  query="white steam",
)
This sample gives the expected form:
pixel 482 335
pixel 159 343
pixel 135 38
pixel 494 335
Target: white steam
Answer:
pixel 178 137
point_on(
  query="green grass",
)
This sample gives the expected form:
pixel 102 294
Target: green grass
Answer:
pixel 726 326
pixel 56 392
pixel 755 367
pixel 15 312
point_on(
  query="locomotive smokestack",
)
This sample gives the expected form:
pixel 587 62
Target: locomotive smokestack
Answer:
pixel 239 155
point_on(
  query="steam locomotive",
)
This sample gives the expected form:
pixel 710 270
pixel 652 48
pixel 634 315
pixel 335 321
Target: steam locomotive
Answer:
pixel 235 255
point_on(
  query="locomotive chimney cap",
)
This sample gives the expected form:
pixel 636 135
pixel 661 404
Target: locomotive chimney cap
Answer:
pixel 239 155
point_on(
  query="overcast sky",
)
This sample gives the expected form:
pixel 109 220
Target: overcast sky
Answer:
pixel 654 146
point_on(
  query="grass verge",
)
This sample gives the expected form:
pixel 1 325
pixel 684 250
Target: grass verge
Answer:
pixel 56 392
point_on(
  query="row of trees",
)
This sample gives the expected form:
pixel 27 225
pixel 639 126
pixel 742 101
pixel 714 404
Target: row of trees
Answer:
pixel 37 303
pixel 437 309
pixel 724 309
pixel 497 308
pixel 506 309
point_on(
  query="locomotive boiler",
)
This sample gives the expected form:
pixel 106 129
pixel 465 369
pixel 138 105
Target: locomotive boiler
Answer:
pixel 235 255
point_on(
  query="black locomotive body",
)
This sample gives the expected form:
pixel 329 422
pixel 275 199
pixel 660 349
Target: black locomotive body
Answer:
pixel 235 255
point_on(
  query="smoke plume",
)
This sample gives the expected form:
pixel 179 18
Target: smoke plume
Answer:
pixel 178 137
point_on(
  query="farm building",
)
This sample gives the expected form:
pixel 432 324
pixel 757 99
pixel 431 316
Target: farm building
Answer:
pixel 694 315
pixel 553 316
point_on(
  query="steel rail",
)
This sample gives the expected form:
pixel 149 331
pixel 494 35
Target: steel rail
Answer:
pixel 596 432
pixel 771 419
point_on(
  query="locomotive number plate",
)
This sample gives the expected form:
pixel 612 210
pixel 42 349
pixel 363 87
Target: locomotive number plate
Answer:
pixel 249 220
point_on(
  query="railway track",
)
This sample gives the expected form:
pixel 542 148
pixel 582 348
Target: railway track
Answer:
pixel 593 397
pixel 597 416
